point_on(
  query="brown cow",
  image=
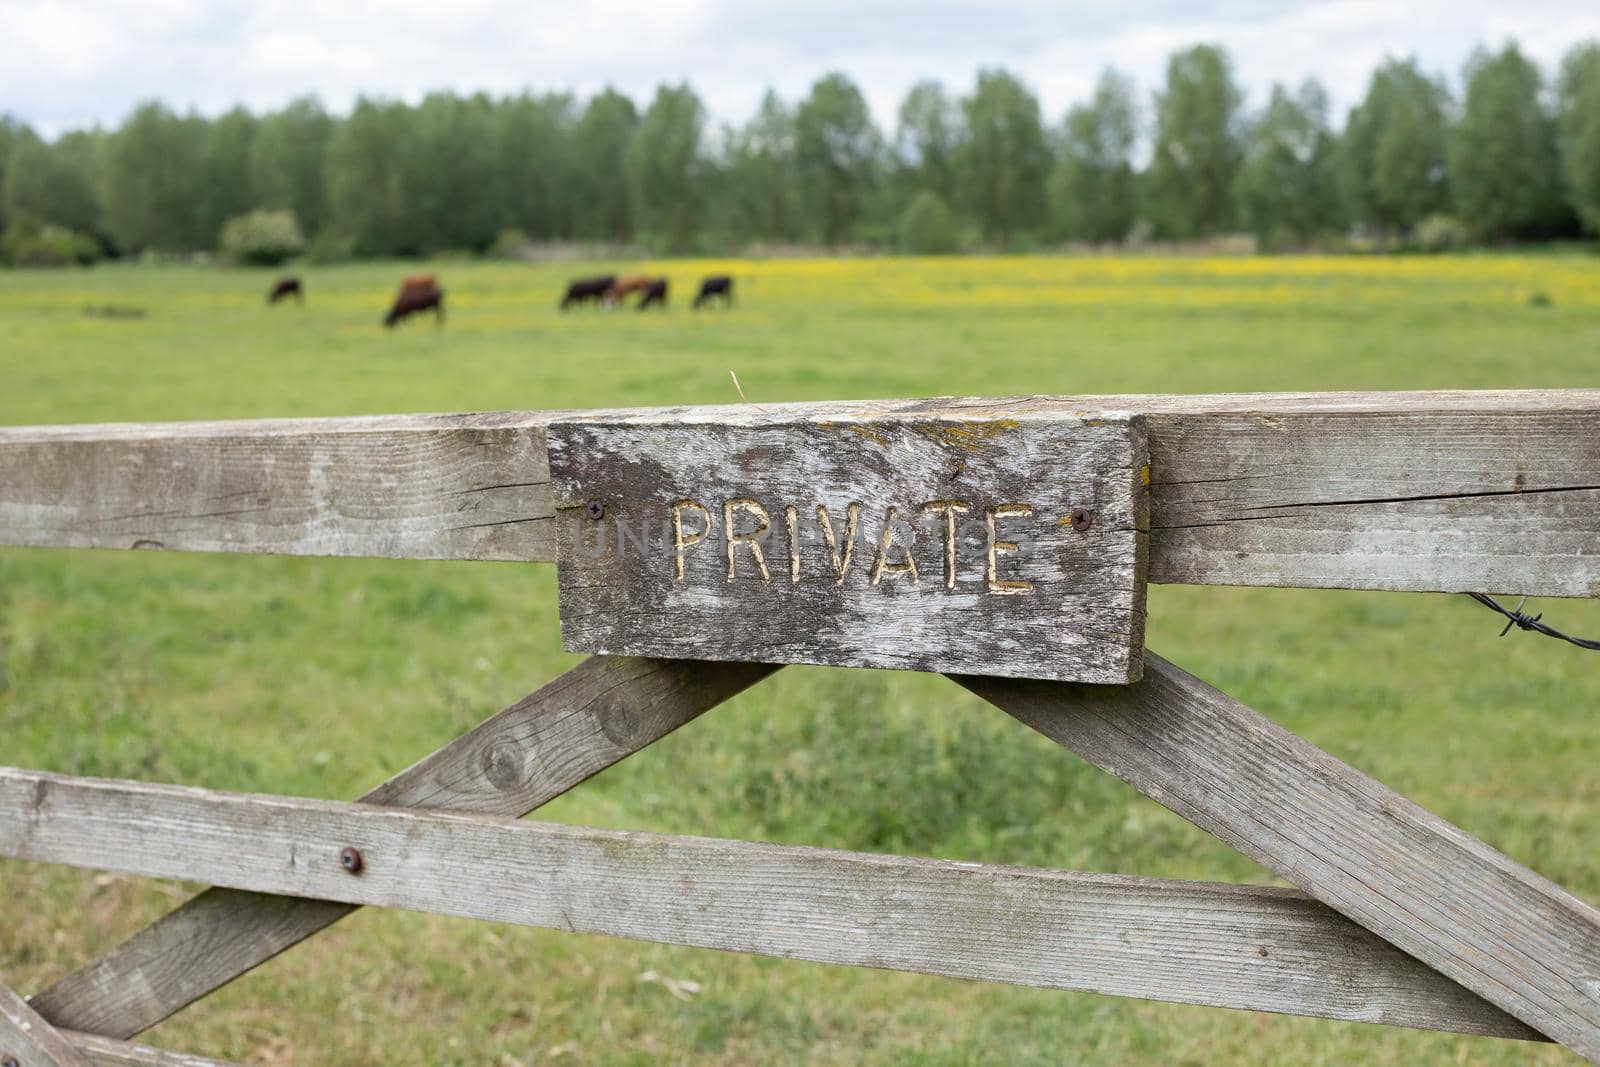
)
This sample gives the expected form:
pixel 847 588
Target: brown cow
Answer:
pixel 628 283
pixel 418 292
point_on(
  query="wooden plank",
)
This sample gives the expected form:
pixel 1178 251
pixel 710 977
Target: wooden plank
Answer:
pixel 571 729
pixel 1515 938
pixel 1012 546
pixel 104 1052
pixel 27 1040
pixel 1442 491
pixel 1233 946
pixel 412 487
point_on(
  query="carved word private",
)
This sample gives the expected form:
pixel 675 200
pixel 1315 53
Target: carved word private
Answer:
pixel 693 524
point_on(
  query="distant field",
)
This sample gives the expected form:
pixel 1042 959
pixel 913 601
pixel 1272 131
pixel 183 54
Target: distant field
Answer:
pixel 320 677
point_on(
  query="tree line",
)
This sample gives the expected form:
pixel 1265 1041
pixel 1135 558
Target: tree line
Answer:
pixel 1514 156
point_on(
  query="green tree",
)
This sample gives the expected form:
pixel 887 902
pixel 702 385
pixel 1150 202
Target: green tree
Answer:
pixel 51 183
pixel 666 168
pixel 1392 156
pixel 926 141
pixel 836 155
pixel 11 132
pixel 760 174
pixel 1094 189
pixel 1579 123
pixel 926 227
pixel 600 147
pixel 155 177
pixel 1505 178
pixel 1288 185
pixel 533 135
pixel 288 162
pixel 452 185
pixel 1196 153
pixel 366 164
pixel 228 181
pixel 1003 160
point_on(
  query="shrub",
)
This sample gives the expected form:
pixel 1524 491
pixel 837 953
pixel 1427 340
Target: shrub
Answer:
pixel 1439 233
pixel 29 244
pixel 926 226
pixel 262 238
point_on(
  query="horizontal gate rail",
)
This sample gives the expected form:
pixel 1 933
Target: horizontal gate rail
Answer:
pixel 1443 491
pixel 1222 945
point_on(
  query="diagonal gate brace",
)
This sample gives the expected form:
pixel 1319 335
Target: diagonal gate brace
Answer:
pixel 1508 934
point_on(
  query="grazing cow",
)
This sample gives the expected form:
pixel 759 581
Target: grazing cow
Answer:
pixel 286 287
pixel 419 292
pixel 583 290
pixel 716 285
pixel 654 293
pixel 630 283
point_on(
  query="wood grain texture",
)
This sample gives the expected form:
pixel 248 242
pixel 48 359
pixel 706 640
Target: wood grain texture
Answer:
pixel 1427 887
pixel 104 1052
pixel 1231 946
pixel 1430 491
pixel 28 1039
pixel 930 543
pixel 458 487
pixel 571 729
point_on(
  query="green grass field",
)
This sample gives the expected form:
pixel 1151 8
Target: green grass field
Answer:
pixel 320 677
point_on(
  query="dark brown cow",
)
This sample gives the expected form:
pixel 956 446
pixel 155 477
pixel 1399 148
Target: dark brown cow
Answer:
pixel 418 292
pixel 583 290
pixel 716 285
pixel 654 293
pixel 286 287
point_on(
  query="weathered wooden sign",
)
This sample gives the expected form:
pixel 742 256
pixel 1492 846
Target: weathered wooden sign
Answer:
pixel 999 546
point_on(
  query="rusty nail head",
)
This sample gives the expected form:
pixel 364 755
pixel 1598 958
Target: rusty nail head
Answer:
pixel 596 510
pixel 1082 519
pixel 351 860
pixel 9 1061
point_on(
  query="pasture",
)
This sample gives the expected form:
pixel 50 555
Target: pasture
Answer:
pixel 269 674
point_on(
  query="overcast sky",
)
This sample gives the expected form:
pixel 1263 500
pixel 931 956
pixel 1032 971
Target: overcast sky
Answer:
pixel 67 63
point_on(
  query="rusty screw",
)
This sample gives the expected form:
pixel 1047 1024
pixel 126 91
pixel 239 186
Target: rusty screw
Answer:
pixel 596 510
pixel 1082 519
pixel 350 860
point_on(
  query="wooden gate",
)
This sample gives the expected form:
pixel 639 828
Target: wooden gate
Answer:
pixel 1005 542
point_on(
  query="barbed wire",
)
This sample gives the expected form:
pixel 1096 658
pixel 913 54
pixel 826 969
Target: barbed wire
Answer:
pixel 1523 621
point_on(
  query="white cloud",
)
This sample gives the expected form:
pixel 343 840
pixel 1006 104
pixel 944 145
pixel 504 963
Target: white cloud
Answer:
pixel 66 63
